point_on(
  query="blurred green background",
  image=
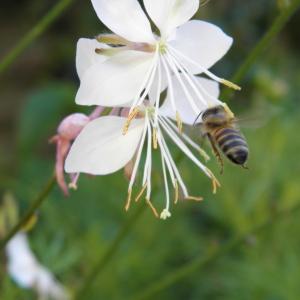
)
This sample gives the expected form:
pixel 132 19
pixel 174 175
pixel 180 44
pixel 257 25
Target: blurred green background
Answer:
pixel 72 234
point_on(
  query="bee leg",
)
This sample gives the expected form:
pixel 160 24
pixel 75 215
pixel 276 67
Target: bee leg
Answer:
pixel 245 167
pixel 216 152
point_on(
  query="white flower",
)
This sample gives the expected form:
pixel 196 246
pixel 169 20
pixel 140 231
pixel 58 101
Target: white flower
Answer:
pixel 183 48
pixel 24 268
pixel 101 149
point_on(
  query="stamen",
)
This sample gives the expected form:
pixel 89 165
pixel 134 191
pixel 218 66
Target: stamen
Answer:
pixel 179 122
pixel 189 140
pixel 204 155
pixel 145 84
pixel 192 198
pixel 231 84
pixel 176 192
pixel 110 51
pixel 182 84
pixel 205 71
pixel 152 208
pixel 155 142
pixel 138 157
pixel 189 78
pixel 128 202
pixel 215 183
pixel 112 39
pixel 181 145
pixel 131 116
pixel 228 110
pixel 139 196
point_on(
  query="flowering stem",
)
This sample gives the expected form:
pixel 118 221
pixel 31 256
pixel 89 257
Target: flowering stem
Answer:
pixel 265 41
pixel 34 33
pixel 109 253
pixel 31 211
pixel 201 262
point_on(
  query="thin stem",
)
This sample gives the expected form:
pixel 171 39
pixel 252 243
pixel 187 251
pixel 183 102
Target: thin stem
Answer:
pixel 264 42
pixel 201 262
pixel 34 33
pixel 30 212
pixel 109 253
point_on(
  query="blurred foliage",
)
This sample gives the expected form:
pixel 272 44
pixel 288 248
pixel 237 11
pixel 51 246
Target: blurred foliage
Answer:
pixel 72 234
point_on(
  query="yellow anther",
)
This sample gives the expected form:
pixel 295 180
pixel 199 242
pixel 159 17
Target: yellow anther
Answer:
pixel 231 84
pixel 215 183
pixel 192 198
pixel 204 155
pixel 179 122
pixel 152 208
pixel 110 51
pixel 176 192
pixel 139 196
pixel 112 39
pixel 155 140
pixel 128 202
pixel 131 116
pixel 228 111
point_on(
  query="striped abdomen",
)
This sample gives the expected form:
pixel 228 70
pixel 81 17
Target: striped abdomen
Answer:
pixel 232 144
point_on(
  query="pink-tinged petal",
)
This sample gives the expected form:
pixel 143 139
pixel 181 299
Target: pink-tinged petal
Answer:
pixel 201 42
pixel 169 14
pixel 86 55
pixel 115 82
pixel 125 18
pixel 101 148
pixel 187 114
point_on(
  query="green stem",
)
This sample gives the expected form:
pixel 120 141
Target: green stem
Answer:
pixel 31 211
pixel 265 41
pixel 34 33
pixel 199 263
pixel 109 253
pixel 274 30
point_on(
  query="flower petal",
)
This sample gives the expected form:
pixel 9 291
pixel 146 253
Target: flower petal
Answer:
pixel 86 55
pixel 101 148
pixel 116 81
pixel 125 18
pixel 22 264
pixel 169 14
pixel 202 42
pixel 187 114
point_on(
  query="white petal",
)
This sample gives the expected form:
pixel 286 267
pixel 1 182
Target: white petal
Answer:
pixel 22 264
pixel 101 148
pixel 125 18
pixel 187 114
pixel 169 14
pixel 86 55
pixel 116 81
pixel 202 42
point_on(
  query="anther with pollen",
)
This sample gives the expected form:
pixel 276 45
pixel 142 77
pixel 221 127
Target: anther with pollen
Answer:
pixel 176 192
pixel 152 208
pixel 179 122
pixel 131 116
pixel 140 194
pixel 128 202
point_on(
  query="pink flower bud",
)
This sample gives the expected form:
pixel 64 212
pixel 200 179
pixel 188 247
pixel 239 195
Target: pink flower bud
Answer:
pixel 72 125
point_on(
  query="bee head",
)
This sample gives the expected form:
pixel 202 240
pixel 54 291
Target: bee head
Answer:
pixel 215 115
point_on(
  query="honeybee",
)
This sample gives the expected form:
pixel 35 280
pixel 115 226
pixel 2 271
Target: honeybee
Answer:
pixel 220 127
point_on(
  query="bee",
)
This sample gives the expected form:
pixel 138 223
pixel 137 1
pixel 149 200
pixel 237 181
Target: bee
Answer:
pixel 220 127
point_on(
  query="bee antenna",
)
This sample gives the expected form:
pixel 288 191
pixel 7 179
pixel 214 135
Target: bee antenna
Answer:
pixel 197 118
